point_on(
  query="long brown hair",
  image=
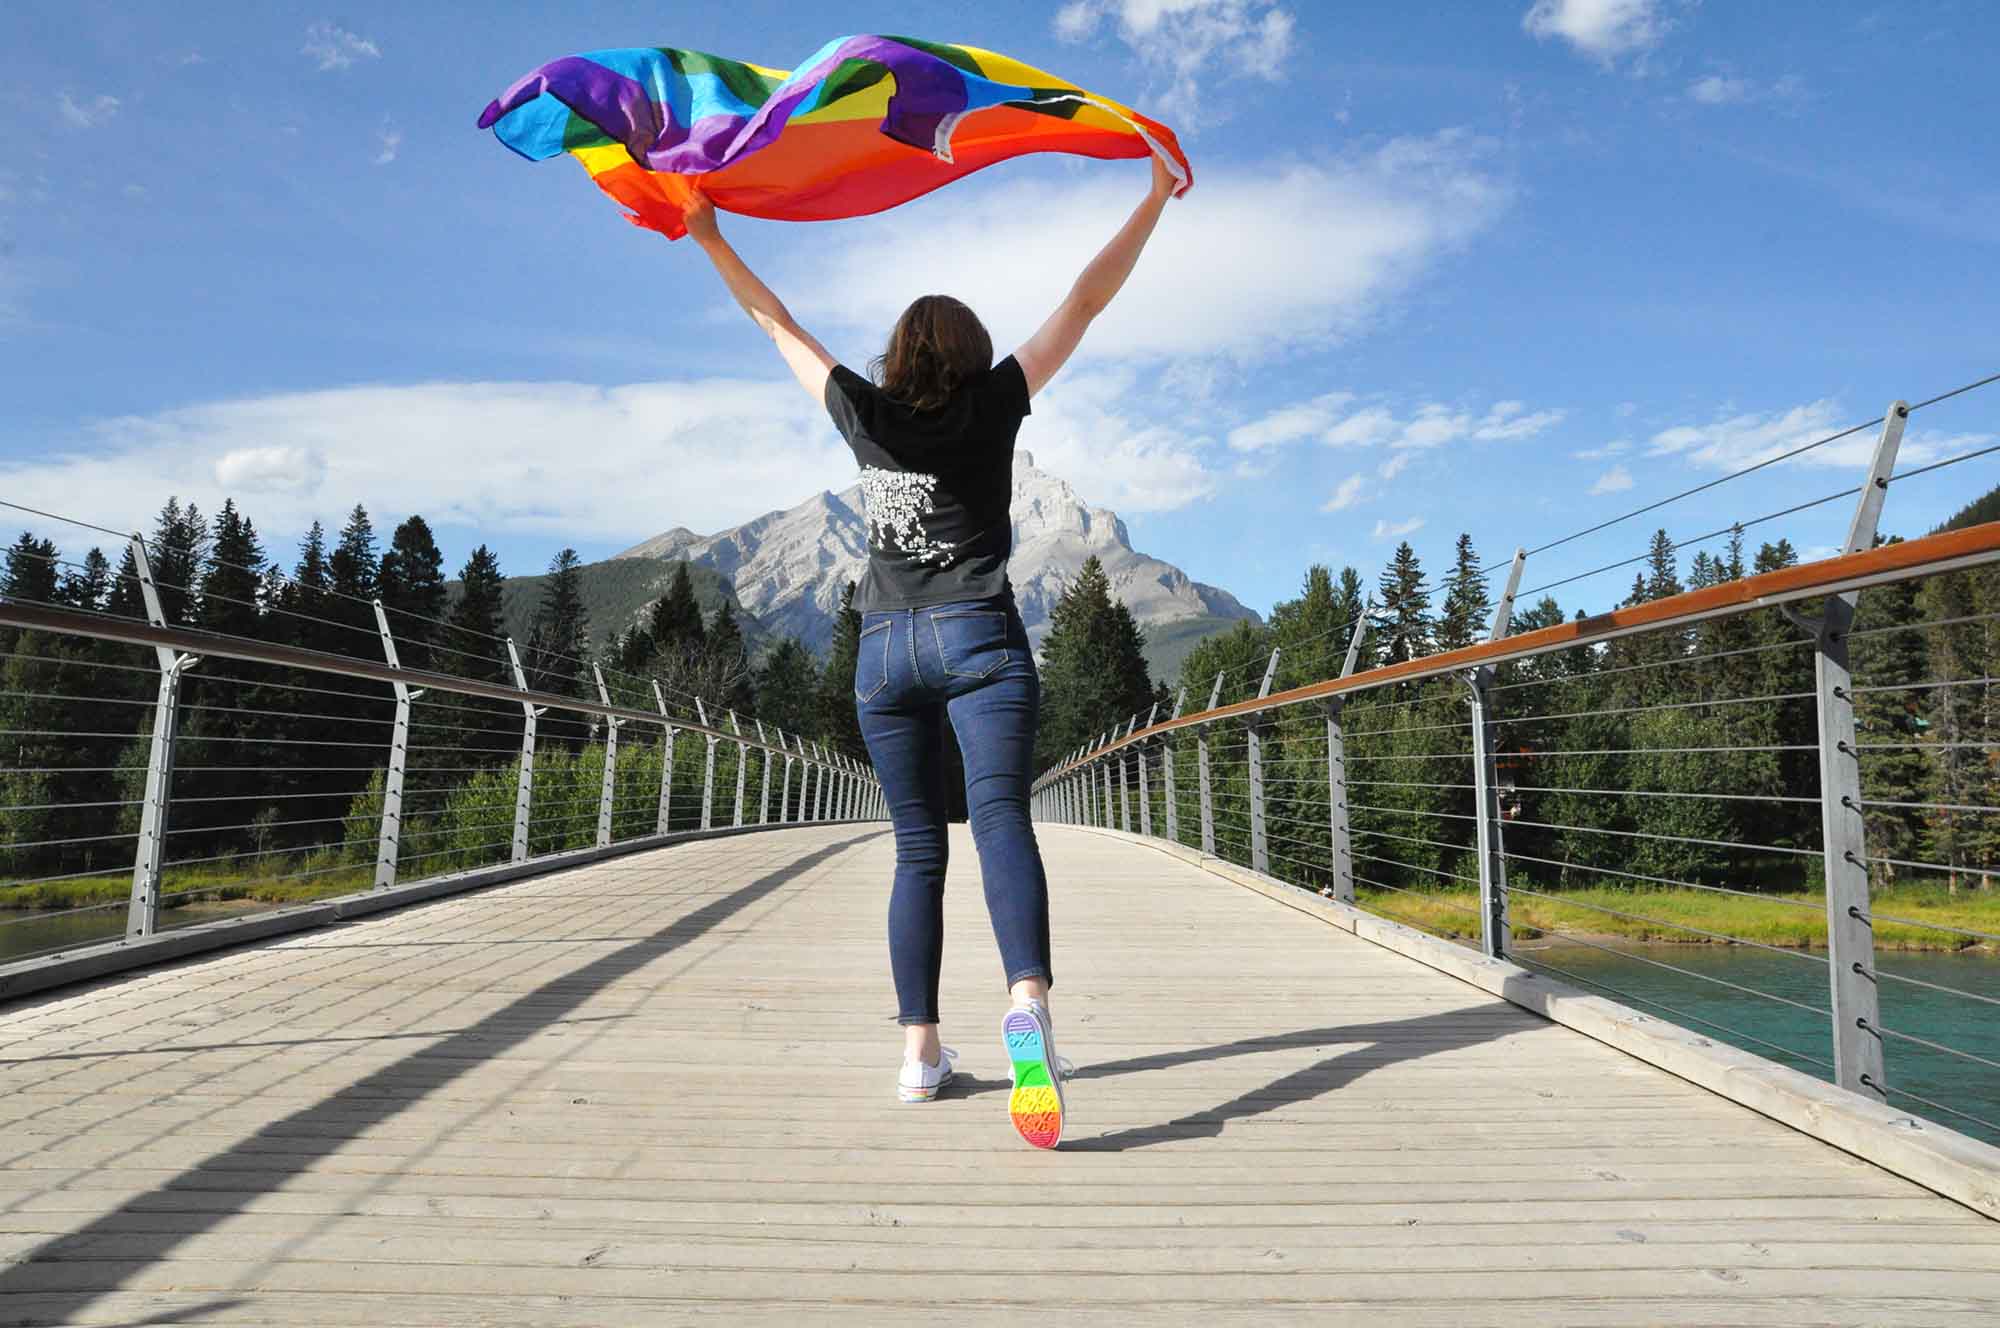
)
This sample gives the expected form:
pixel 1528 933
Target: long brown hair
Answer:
pixel 936 347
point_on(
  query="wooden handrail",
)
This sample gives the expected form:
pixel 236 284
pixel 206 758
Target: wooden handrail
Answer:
pixel 1945 552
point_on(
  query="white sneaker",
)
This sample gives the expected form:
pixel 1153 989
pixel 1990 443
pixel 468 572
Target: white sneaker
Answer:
pixel 1036 1103
pixel 920 1082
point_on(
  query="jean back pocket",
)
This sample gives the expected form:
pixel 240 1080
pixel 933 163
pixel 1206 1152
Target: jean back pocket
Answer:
pixel 871 661
pixel 972 643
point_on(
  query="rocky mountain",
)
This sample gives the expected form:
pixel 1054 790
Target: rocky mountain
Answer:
pixel 789 567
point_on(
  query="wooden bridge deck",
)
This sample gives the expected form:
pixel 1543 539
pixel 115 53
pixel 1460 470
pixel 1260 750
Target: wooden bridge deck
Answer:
pixel 659 1089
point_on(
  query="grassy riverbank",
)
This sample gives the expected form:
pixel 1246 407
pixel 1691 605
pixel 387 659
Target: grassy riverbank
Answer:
pixel 1796 920
pixel 287 882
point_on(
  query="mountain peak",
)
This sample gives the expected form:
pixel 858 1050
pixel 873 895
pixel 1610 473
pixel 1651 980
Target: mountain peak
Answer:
pixel 791 567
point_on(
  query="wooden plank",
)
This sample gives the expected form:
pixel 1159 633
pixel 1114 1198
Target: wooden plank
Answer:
pixel 660 1090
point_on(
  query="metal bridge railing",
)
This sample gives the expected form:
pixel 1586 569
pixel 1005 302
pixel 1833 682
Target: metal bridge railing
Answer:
pixel 134 749
pixel 1752 767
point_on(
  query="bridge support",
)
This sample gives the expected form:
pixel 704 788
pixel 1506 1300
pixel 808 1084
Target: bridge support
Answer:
pixel 666 762
pixel 1496 933
pixel 1340 829
pixel 1858 1059
pixel 764 785
pixel 388 843
pixel 524 784
pixel 1255 730
pixel 742 767
pixel 608 794
pixel 707 768
pixel 142 916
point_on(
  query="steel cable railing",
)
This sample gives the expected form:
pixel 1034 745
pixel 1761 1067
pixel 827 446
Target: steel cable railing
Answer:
pixel 200 777
pixel 1780 829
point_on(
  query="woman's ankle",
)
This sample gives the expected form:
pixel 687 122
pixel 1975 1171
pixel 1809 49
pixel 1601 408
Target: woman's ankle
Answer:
pixel 1030 989
pixel 920 1043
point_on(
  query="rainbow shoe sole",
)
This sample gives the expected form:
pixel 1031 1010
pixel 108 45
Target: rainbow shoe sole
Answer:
pixel 1036 1105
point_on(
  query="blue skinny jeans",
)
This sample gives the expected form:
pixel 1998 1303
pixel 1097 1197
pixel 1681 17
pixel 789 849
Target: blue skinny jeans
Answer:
pixel 969 663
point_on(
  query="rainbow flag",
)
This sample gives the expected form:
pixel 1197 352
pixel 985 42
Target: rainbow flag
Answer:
pixel 867 123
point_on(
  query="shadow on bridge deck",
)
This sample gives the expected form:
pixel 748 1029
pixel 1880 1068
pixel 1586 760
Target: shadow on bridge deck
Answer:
pixel 660 1087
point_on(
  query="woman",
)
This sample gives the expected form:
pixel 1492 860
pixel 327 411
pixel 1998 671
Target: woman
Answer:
pixel 940 636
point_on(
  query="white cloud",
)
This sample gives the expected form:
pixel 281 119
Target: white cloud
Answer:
pixel 1188 41
pixel 1612 449
pixel 1615 480
pixel 1089 428
pixel 87 115
pixel 1325 419
pixel 1289 424
pixel 1397 463
pixel 300 470
pixel 1733 441
pixel 1386 530
pixel 1601 29
pixel 1716 90
pixel 501 456
pixel 1252 263
pixel 391 139
pixel 1347 495
pixel 506 457
pixel 337 48
pixel 1729 90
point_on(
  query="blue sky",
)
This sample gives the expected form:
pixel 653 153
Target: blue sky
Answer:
pixel 1506 268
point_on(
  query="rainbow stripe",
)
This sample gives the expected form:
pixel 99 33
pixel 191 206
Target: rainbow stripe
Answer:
pixel 865 124
pixel 1035 1105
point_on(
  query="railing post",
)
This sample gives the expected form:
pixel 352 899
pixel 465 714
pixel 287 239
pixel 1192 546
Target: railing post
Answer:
pixel 142 915
pixel 1202 774
pixel 1145 794
pixel 1110 806
pixel 1496 933
pixel 388 844
pixel 764 787
pixel 1340 828
pixel 742 767
pixel 708 766
pixel 666 762
pixel 1167 771
pixel 1254 729
pixel 524 784
pixel 609 792
pixel 1858 1060
pixel 1124 796
pixel 785 789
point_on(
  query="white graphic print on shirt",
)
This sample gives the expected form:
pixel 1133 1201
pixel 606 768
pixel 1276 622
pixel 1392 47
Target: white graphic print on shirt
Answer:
pixel 896 502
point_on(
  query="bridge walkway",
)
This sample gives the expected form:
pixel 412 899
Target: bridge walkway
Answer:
pixel 658 1089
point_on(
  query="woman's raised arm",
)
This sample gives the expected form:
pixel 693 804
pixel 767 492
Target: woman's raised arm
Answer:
pixel 1041 355
pixel 807 359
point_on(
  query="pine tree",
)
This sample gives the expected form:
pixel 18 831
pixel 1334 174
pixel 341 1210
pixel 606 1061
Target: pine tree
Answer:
pixel 1309 631
pixel 232 589
pixel 410 583
pixel 1406 608
pixel 787 682
pixel 476 623
pixel 735 691
pixel 837 719
pixel 560 642
pixel 1094 667
pixel 177 551
pixel 87 587
pixel 676 625
pixel 1466 606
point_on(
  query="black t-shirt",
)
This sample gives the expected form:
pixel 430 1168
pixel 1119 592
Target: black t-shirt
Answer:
pixel 936 486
